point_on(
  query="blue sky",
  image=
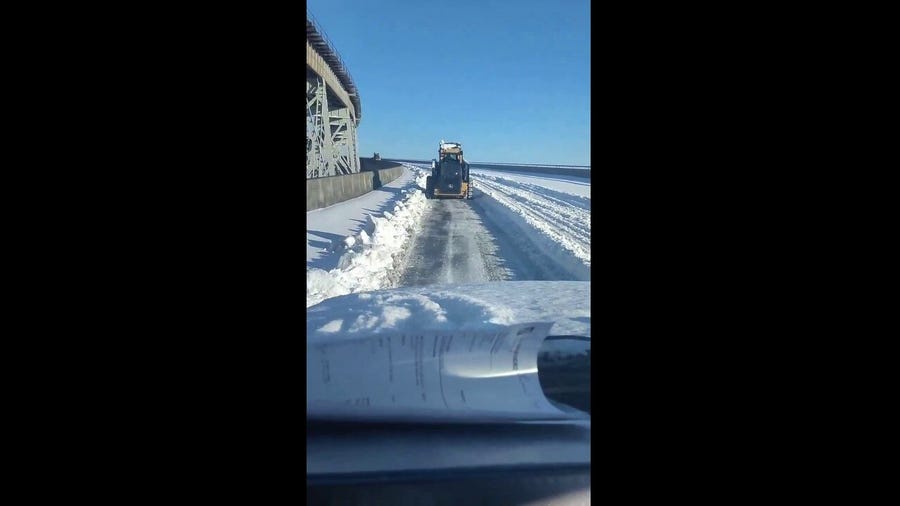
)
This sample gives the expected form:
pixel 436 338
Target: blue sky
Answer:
pixel 510 80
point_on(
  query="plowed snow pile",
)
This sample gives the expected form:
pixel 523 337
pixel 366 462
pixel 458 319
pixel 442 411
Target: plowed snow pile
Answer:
pixel 371 259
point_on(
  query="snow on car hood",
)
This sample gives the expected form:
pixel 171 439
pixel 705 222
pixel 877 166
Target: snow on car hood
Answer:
pixel 456 307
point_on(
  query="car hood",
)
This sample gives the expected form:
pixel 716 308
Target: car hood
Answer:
pixel 483 306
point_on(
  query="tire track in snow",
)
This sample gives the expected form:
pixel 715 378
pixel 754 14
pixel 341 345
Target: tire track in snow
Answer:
pixel 565 224
pixel 542 201
pixel 561 197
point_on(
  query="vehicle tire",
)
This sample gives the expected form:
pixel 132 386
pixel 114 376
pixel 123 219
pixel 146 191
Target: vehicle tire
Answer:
pixel 429 187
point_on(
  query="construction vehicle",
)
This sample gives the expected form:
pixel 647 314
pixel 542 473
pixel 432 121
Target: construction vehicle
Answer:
pixel 449 174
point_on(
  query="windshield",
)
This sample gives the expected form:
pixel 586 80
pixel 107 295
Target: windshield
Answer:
pixel 456 295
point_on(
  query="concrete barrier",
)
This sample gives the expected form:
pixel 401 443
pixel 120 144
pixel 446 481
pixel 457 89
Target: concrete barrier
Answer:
pixel 325 191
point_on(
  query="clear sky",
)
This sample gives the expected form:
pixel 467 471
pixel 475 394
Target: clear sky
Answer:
pixel 509 79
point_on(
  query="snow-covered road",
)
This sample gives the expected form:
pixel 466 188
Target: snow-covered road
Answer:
pixel 453 246
pixel 518 227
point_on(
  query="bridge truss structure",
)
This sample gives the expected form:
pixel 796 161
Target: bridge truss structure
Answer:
pixel 333 108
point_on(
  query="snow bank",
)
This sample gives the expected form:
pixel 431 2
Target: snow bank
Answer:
pixel 370 260
pixel 327 227
pixel 421 171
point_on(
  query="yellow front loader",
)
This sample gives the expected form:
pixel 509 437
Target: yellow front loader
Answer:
pixel 449 174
